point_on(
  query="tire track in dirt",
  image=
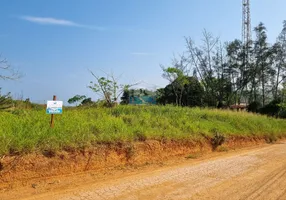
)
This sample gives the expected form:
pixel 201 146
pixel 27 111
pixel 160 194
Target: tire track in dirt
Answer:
pixel 269 185
pixel 282 196
pixel 196 177
pixel 265 181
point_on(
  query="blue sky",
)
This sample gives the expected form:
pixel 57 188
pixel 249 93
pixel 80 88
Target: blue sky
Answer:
pixel 54 43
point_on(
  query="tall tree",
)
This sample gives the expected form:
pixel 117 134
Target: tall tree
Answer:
pixel 262 69
pixel 210 64
pixel 234 69
pixel 201 58
pixel 223 81
pixel 280 61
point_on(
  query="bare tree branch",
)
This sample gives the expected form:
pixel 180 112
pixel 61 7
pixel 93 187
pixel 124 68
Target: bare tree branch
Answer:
pixel 6 71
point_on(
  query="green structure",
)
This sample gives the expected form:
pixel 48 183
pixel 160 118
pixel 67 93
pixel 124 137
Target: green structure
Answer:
pixel 142 100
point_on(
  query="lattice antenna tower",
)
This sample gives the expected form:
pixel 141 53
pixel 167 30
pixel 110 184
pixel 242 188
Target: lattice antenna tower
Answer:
pixel 246 22
pixel 246 34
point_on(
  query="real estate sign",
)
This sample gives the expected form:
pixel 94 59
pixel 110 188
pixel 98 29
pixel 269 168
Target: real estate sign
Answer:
pixel 54 107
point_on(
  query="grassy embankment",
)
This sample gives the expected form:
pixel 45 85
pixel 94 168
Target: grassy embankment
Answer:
pixel 28 130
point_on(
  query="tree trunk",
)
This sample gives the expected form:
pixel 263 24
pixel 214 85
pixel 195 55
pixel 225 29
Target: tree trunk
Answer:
pixel 263 86
pixel 277 83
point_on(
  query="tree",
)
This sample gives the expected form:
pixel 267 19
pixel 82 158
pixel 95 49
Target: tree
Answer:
pixel 76 98
pixel 87 101
pixel 280 61
pixel 253 73
pixel 236 70
pixel 193 93
pixel 6 71
pixel 262 71
pixel 177 76
pixel 208 62
pixel 109 88
pixel 161 96
pixel 222 83
pixel 177 81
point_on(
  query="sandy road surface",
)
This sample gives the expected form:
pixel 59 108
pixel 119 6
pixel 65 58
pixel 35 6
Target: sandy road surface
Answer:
pixel 253 174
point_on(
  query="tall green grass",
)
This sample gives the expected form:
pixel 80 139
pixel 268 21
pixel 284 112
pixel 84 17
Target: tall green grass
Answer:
pixel 28 130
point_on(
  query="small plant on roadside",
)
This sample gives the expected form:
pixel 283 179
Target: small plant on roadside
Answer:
pixel 217 140
pixel 270 138
pixel 129 151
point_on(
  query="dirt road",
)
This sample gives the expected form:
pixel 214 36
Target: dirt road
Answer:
pixel 252 174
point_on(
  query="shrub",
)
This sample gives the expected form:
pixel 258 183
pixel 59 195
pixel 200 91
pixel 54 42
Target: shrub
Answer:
pixel 5 101
pixel 282 113
pixel 271 109
pixel 217 140
pixel 254 107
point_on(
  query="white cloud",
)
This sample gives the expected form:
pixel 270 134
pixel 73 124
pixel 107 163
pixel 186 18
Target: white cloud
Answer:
pixel 49 20
pixel 60 22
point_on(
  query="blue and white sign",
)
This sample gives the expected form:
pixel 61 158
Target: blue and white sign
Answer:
pixel 54 107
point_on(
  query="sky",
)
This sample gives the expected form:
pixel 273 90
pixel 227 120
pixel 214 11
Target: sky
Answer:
pixel 55 43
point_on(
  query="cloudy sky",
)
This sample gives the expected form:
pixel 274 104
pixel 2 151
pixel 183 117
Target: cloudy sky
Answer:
pixel 54 43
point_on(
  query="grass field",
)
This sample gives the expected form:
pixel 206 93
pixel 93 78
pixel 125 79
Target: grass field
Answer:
pixel 26 131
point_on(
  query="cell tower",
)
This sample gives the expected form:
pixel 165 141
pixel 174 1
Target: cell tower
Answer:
pixel 246 22
pixel 246 37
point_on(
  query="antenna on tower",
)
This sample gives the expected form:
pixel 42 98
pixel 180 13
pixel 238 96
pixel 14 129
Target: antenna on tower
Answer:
pixel 246 22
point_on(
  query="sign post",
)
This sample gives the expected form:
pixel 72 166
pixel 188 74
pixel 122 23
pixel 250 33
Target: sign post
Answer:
pixel 54 107
pixel 52 116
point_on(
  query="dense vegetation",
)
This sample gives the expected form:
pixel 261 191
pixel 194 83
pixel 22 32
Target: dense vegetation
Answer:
pixel 23 131
pixel 236 72
pixel 218 75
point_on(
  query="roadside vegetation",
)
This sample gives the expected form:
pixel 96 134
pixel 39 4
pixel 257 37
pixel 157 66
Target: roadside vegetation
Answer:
pixel 24 131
